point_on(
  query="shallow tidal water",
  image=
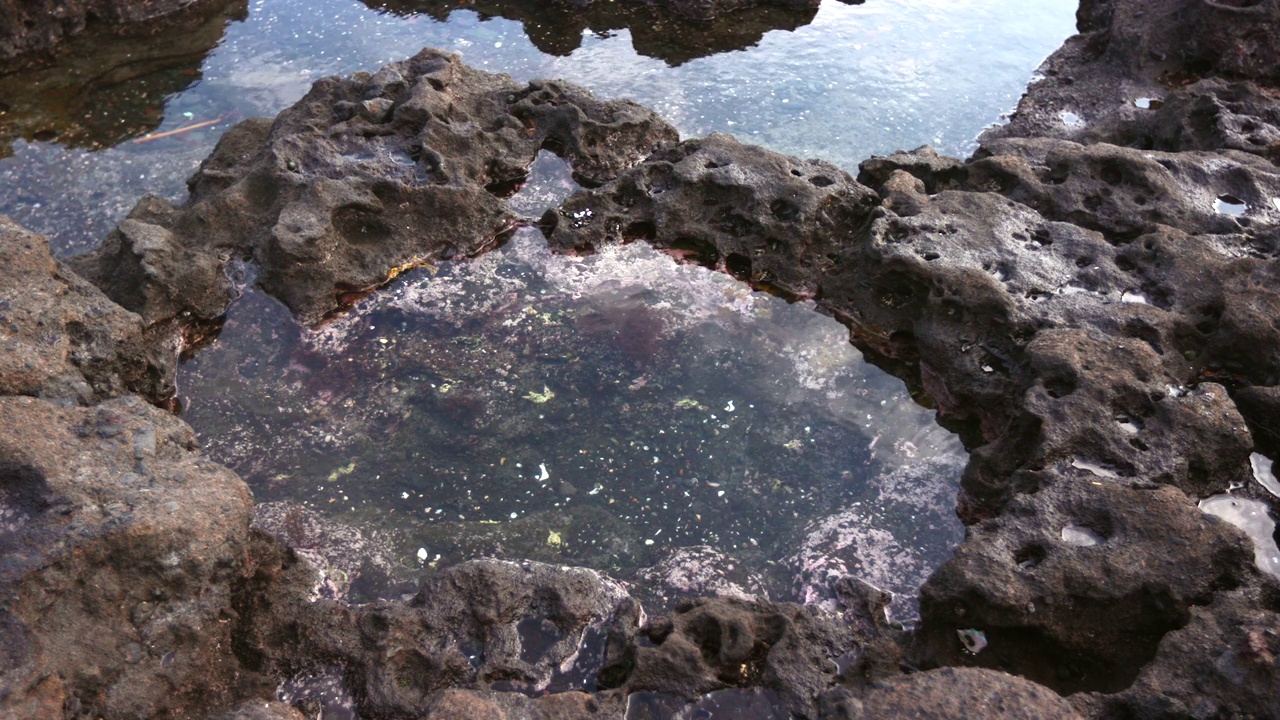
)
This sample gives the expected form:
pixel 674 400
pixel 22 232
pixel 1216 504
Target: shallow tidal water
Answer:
pixel 612 411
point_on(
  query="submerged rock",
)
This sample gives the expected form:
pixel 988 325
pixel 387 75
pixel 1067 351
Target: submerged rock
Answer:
pixel 1080 311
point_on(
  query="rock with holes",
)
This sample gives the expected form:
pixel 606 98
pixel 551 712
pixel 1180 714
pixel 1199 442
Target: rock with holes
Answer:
pixel 793 653
pixel 363 177
pixel 1123 192
pixel 60 337
pixel 121 547
pixel 1075 585
pixel 1209 114
pixel 1169 75
pixel 485 625
pixel 952 694
pixel 766 218
pixel 675 31
pixel 1223 663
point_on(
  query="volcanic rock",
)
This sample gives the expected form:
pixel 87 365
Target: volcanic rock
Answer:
pixel 362 178
pixel 121 545
pixel 953 694
pixel 61 338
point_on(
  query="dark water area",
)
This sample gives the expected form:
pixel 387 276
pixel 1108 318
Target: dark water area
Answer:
pixel 619 411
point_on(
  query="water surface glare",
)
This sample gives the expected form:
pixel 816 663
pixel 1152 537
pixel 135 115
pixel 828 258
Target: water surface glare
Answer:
pixel 855 80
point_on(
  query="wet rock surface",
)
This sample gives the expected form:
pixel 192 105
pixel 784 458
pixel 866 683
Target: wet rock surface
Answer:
pixel 658 29
pixel 1094 313
pixel 954 693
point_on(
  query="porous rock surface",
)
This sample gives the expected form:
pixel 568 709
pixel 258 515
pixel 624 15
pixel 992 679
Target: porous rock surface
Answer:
pixel 1080 312
pixel 1077 307
pixel 362 178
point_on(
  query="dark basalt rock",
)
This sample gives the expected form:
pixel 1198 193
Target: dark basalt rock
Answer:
pixel 675 31
pixel 362 178
pixel 763 217
pixel 1172 75
pixel 1221 664
pixel 1097 321
pixel 1080 582
pixel 121 544
pixel 61 338
pixel 486 626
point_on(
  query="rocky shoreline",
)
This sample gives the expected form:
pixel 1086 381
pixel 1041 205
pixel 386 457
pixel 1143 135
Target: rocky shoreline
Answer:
pixel 1090 301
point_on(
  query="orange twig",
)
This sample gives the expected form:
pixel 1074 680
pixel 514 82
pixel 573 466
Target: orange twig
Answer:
pixel 178 131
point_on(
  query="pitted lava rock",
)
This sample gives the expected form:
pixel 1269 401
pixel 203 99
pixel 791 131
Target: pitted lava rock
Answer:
pixel 357 181
pixel 1091 301
pixel 763 217
pixel 791 651
pixel 1079 312
pixel 1222 663
pixel 1168 75
pixel 660 29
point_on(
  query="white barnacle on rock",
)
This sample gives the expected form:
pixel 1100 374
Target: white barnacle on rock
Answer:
pixel 975 641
